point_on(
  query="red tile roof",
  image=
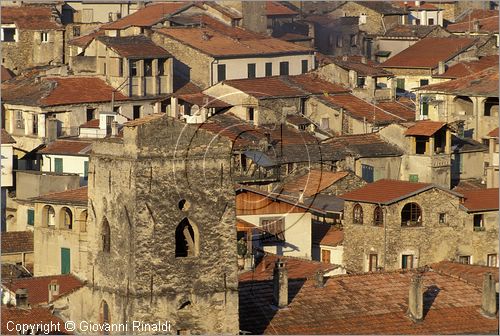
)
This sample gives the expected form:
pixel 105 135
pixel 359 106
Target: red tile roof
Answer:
pixel 274 8
pixel 493 133
pixel 484 83
pixel 477 14
pixel 218 44
pixel 471 273
pixel 38 315
pixel 242 225
pixel 84 41
pixel 297 268
pixel 424 5
pixel 418 55
pixel 397 108
pixel 313 182
pixel 480 199
pixel 67 147
pixel 17 241
pixel 372 303
pixel 355 63
pixel 311 83
pixel 6 74
pixel 134 46
pixel 202 99
pixel 30 17
pixel 326 234
pixel 265 87
pixel 6 138
pixel 147 16
pixel 73 196
pixel 425 128
pixel 38 287
pixel 386 191
pixel 94 123
pixel 462 69
pixel 486 25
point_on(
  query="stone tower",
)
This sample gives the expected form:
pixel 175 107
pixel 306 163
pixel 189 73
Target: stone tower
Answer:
pixel 163 238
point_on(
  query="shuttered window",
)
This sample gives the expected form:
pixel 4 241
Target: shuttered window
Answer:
pixel 31 217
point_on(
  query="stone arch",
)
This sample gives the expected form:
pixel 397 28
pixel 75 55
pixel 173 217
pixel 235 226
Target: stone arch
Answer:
pixel 82 219
pixel 66 218
pixel 48 216
pixel 463 105
pixel 186 239
pixel 357 214
pixel 106 235
pixel 491 107
pixel 378 216
pixel 104 315
pixel 411 215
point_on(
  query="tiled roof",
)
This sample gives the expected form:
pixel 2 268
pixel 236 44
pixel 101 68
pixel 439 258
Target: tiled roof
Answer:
pixel 462 69
pixel 386 191
pixel 355 63
pixel 293 37
pixel 84 41
pixel 411 5
pixel 6 138
pixel 202 99
pixel 493 133
pixel 408 30
pixel 383 7
pixel 418 55
pixel 313 182
pixel 274 8
pixel 13 271
pixel 480 199
pixel 242 225
pixel 33 316
pixel 31 17
pixel 134 46
pixel 144 120
pixel 147 16
pixel 67 147
pixel 484 83
pixel 6 74
pixel 17 241
pixel 187 88
pixel 93 123
pixel 363 145
pixel 486 25
pixel 397 108
pixel 217 44
pixel 470 273
pixel 312 84
pixel 227 11
pixel 371 303
pixel 73 196
pixel 297 268
pixel 326 234
pixel 38 287
pixel 425 128
pixel 55 91
pixel 476 14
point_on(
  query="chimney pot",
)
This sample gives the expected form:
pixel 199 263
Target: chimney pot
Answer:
pixel 489 299
pixel 53 290
pixel 475 25
pixel 416 298
pixel 320 280
pixel 22 298
pixel 280 282
pixel 417 3
pixel 363 60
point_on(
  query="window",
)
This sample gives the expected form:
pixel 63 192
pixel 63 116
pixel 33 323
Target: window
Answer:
pixel 357 213
pixel 354 40
pixel 66 218
pixel 185 240
pixel 274 227
pixel 362 18
pixel 49 216
pixel 284 69
pixel 406 261
pixel 367 173
pixel 305 66
pixel 86 170
pixel 19 120
pixel 372 262
pixel 161 67
pixel 117 109
pixel 44 37
pixel 148 67
pixel 431 21
pixel 325 123
pixel 339 41
pixel 65 260
pixel 269 69
pixel 417 22
pixel 360 82
pixel 133 68
pixel 109 123
pixel 464 259
pixel 76 31
pixel 9 35
pixel 104 315
pixel 83 221
pixel 31 216
pixel 90 113
pixel 478 222
pixel 251 70
pixel 35 124
pixel 137 111
pixel 326 256
pixel 421 145
pixel 442 218
pixel 425 108
pixel 221 72
pixel 400 84
pixel 250 114
pixel 58 165
pixel 411 215
pixel 424 82
pixel 120 67
pixel 492 260
pixel 106 236
pixel 378 216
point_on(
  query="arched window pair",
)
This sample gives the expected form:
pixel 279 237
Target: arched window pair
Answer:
pixel 378 215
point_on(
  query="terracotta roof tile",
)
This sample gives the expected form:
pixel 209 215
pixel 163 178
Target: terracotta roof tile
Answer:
pixel 493 133
pixel 462 69
pixel 30 316
pixel 147 16
pixel 67 147
pixel 242 225
pixel 6 138
pixel 6 74
pixel 144 120
pixel 274 8
pixel 383 7
pixel 31 17
pixel 266 87
pixel 355 63
pixel 470 273
pixel 312 84
pixel 313 182
pixel 38 287
pixel 408 30
pixel 487 25
pixel 134 46
pixel 476 14
pixel 418 55
pixel 84 41
pixel 385 191
pixel 425 128
pixel 480 199
pixel 17 241
pixel 94 123
pixel 411 5
pixel 72 196
pixel 363 145
pixel 397 108
pixel 326 234
pixel 202 99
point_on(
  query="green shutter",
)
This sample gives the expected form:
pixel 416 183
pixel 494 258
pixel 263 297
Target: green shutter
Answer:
pixel 65 260
pixel 413 178
pixel 58 165
pixel 86 169
pixel 31 217
pixel 400 83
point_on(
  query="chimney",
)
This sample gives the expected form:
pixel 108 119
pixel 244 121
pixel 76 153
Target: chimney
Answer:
pixel 320 280
pixel 475 25
pixel 489 297
pixel 417 3
pixel 363 60
pixel 51 129
pixel 441 68
pixel 416 298
pixel 280 282
pixel 114 128
pixel 301 196
pixel 53 290
pixel 22 298
pixel 140 4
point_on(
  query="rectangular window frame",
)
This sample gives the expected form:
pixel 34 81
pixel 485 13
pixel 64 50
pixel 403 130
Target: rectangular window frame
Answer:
pixel 492 260
pixel 305 66
pixel 274 228
pixel 30 217
pixel 407 261
pixel 58 165
pixel 465 259
pixel 284 68
pixel 251 70
pixel 12 36
pixel 221 72
pixel 372 262
pixel 269 69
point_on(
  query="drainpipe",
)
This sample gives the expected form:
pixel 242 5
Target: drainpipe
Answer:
pixel 383 24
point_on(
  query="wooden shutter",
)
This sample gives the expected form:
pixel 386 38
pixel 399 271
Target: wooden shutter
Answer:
pixel 65 261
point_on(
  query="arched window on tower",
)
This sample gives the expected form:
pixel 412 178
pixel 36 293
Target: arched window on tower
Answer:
pixel 186 240
pixel 104 315
pixel 378 216
pixel 106 236
pixel 357 213
pixel 411 215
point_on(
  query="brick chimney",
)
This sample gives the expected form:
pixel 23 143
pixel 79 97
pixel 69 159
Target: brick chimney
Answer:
pixel 416 298
pixel 280 282
pixel 53 290
pixel 22 298
pixel 320 279
pixel 363 60
pixel 441 68
pixel 489 297
pixel 51 128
